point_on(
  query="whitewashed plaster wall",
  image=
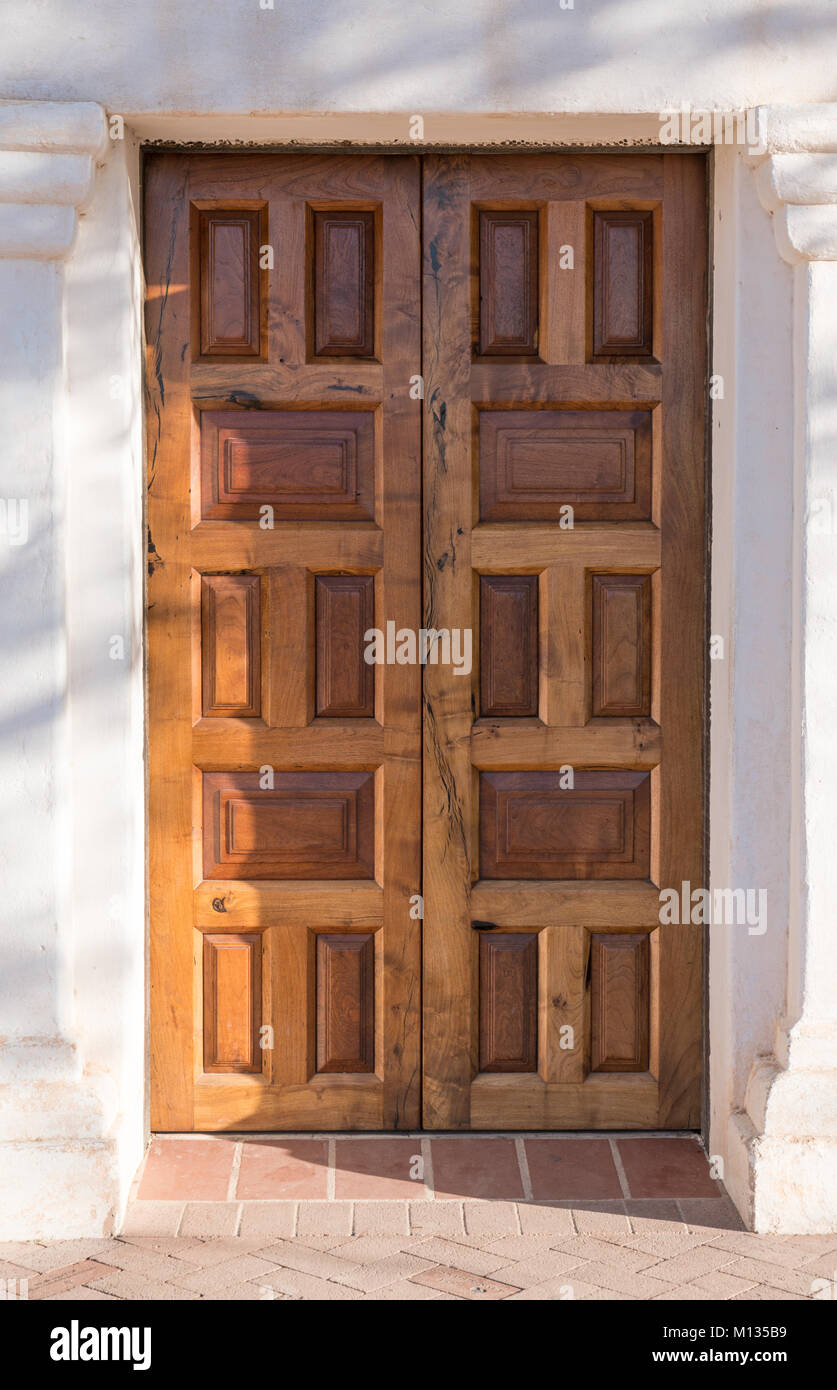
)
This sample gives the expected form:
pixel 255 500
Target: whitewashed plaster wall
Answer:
pixel 102 454
pixel 431 55
pixel 72 1082
pixel 751 695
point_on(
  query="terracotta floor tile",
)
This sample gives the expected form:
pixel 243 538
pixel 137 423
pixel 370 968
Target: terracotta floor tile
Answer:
pixel 376 1168
pixel 667 1168
pixel 295 1168
pixel 476 1168
pixel 572 1168
pixel 195 1170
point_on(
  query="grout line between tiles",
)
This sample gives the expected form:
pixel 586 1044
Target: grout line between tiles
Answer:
pixel 331 1175
pixel 623 1177
pixel 427 1157
pixel 523 1164
pixel 234 1171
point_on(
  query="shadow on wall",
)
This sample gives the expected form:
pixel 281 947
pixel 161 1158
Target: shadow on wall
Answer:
pixel 491 55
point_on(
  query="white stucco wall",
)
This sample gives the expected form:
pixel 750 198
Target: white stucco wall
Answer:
pixel 102 455
pixel 71 736
pixel 433 55
pixel 751 608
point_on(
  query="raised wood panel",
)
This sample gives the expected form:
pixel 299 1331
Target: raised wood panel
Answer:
pixel 232 1001
pixel 345 1003
pixel 621 644
pixel 345 610
pixel 508 645
pixel 229 284
pixel 311 825
pixel 531 827
pixel 508 1016
pixel 508 283
pixel 308 465
pixel 231 645
pixel 623 283
pixel 534 462
pixel 344 284
pixel 619 1001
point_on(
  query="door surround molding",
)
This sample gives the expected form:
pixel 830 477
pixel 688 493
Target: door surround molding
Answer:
pixel 756 596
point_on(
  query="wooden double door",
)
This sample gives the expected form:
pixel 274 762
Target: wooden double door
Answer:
pixel 391 396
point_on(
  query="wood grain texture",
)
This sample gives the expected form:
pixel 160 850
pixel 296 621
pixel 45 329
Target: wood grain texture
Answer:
pixel 308 465
pixel 682 628
pixel 229 286
pixel 624 430
pixel 169 336
pixel 511 438
pixel 508 645
pixel 621 644
pixel 450 1002
pixel 229 434
pixel 508 1002
pixel 532 827
pixel 533 463
pixel 345 1003
pixel 508 283
pixel 623 283
pixel 345 611
pixel 620 1002
pixel 231 645
pixel 232 1002
pixel 309 825
pixel 344 284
